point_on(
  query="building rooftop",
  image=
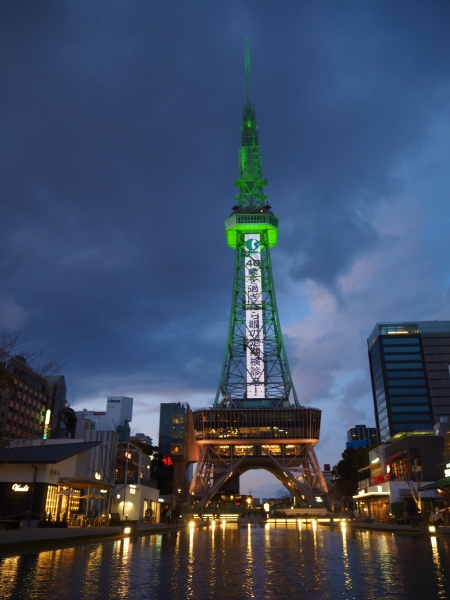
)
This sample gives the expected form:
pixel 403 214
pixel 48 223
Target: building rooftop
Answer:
pixel 399 327
pixel 48 453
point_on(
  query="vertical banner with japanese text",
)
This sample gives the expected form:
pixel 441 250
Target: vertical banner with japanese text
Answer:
pixel 254 317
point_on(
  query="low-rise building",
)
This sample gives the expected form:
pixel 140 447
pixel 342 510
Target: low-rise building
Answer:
pixel 39 478
pixel 396 474
pixel 135 495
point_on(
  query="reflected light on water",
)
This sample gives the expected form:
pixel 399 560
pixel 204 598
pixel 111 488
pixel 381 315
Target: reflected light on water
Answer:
pixel 249 571
pixel 348 580
pixel 8 575
pixel 239 562
pixel 90 585
pixel 314 529
pixel 440 577
pixel 213 558
pixel 190 568
pixel 385 554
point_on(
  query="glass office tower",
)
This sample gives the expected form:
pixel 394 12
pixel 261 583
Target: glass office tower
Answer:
pixel 409 366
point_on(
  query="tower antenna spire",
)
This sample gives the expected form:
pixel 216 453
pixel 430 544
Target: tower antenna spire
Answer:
pixel 247 68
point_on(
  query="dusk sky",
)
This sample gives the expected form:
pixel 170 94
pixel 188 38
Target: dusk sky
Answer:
pixel 120 131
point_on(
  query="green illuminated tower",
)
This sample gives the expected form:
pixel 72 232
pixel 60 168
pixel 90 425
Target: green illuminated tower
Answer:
pixel 255 369
pixel 256 420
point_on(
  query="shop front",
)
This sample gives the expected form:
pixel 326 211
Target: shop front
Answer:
pixel 37 483
pixel 136 502
pixel 372 506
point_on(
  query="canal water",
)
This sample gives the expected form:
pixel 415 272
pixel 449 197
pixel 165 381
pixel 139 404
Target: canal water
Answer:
pixel 234 562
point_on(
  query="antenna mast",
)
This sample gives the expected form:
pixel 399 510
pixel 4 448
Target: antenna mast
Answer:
pixel 247 68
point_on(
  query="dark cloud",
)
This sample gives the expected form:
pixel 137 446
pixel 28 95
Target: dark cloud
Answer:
pixel 120 136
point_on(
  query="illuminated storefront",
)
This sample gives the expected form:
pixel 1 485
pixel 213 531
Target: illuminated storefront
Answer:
pixel 42 479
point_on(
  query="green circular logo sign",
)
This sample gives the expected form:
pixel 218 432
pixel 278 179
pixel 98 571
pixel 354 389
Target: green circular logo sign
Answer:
pixel 252 245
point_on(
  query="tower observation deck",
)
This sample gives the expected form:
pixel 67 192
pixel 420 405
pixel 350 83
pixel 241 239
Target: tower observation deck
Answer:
pixel 256 421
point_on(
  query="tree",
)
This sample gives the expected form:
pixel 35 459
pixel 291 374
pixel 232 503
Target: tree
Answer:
pixel 12 345
pixel 416 468
pixel 346 476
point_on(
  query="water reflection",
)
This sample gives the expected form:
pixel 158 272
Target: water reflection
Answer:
pixel 440 577
pixel 348 579
pixel 213 559
pixel 249 570
pixel 238 562
pixel 90 583
pixel 190 569
pixel 8 575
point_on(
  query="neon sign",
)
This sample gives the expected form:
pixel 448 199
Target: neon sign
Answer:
pixel 48 414
pixel 20 488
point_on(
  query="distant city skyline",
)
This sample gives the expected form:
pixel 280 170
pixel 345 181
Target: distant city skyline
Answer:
pixel 120 146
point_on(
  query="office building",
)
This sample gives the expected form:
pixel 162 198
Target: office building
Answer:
pixel 409 366
pixel 119 412
pixel 30 403
pixel 361 436
pixel 179 449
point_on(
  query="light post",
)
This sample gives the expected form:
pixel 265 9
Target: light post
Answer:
pixel 249 501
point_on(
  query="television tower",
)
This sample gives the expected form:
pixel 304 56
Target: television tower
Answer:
pixel 256 420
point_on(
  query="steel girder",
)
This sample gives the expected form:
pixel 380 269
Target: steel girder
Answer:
pixel 299 474
pixel 233 381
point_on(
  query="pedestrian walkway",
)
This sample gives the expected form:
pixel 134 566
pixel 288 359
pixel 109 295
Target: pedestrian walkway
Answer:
pixel 395 528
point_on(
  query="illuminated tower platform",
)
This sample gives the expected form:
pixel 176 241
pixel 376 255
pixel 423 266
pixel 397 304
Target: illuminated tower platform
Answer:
pixel 256 421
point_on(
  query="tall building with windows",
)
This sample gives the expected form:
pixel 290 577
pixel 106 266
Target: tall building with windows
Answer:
pixel 29 402
pixel 360 435
pixel 409 366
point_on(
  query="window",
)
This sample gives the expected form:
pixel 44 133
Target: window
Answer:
pixel 381 406
pixel 382 415
pixel 405 365
pixel 391 357
pixel 401 350
pixel 401 382
pixel 381 395
pixel 378 382
pixel 418 391
pixel 418 408
pixel 412 427
pixel 409 400
pixel 377 373
pixel 410 419
pixel 411 373
pixel 397 341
